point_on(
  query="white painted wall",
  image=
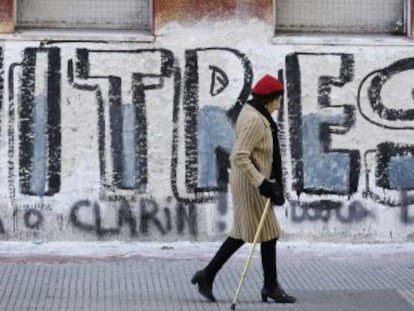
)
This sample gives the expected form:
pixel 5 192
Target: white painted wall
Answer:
pixel 89 203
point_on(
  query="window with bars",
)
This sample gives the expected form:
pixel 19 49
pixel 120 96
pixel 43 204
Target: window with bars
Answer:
pixel 84 14
pixel 341 16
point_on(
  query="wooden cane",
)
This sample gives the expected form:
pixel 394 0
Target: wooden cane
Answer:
pixel 249 258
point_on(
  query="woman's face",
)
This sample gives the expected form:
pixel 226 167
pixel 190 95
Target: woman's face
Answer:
pixel 275 104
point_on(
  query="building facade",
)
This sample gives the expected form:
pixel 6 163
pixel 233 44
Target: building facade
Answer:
pixel 116 121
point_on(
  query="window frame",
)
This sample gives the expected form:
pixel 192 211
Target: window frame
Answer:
pixel 83 34
pixel 408 15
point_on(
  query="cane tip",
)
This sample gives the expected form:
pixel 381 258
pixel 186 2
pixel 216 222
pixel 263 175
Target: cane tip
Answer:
pixel 233 306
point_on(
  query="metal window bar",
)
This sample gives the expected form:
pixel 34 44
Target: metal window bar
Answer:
pixel 341 16
pixel 85 14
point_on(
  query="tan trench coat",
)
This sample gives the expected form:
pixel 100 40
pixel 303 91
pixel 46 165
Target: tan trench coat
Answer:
pixel 251 162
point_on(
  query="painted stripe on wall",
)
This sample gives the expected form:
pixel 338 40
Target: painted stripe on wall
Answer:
pixel 6 16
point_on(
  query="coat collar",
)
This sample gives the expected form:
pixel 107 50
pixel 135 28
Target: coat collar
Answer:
pixel 254 110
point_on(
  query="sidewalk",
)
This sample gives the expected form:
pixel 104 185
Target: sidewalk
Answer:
pixel 109 276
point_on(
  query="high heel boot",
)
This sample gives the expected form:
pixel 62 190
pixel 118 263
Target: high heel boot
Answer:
pixel 277 294
pixel 271 288
pixel 205 286
pixel 205 278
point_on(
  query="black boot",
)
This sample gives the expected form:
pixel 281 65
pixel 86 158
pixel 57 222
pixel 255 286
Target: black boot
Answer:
pixel 205 286
pixel 277 294
pixel 205 278
pixel 271 288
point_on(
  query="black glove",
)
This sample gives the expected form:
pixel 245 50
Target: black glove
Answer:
pixel 273 191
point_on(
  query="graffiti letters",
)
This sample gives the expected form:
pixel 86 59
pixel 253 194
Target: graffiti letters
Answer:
pixel 88 216
pixel 39 117
pixel 374 101
pixel 389 171
pixel 163 123
pixel 316 167
pixel 326 210
pixel 33 219
pixel 124 108
pixel 207 128
pixel 406 214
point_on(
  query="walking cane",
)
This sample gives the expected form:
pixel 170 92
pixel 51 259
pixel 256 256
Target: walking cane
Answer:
pixel 249 258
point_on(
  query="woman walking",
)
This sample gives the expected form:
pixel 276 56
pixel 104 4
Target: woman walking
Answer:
pixel 256 174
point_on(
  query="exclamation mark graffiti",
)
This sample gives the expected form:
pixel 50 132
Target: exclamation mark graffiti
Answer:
pixel 406 200
pixel 223 163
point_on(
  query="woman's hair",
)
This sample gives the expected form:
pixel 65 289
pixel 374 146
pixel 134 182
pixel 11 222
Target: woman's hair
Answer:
pixel 265 99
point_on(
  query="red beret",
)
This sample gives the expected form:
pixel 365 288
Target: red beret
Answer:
pixel 267 85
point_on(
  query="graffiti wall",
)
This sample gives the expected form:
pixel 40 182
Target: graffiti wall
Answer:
pixel 131 141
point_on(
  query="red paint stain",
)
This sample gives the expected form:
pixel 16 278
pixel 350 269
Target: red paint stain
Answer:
pixel 6 11
pixel 192 11
pixel 6 16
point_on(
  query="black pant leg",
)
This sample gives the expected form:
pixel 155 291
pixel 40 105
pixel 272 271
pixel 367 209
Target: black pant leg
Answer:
pixel 268 254
pixel 226 250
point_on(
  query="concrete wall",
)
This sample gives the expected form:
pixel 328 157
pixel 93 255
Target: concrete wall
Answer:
pixel 131 140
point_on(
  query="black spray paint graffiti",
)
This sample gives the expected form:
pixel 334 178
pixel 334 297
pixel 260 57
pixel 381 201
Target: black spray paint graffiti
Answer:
pixel 219 80
pixel 125 113
pixel 318 169
pixel 393 173
pixel 39 168
pixel 197 193
pixel 220 143
pixel 33 219
pixel 139 219
pixel 376 110
pixel 393 161
pixel 207 132
pixel 405 216
pixel 326 210
pixel 39 123
pixel 150 216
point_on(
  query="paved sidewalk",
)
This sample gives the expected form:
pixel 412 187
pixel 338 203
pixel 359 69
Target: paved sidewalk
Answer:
pixel 157 277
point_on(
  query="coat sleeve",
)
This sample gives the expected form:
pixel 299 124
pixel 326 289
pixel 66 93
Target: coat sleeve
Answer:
pixel 249 133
